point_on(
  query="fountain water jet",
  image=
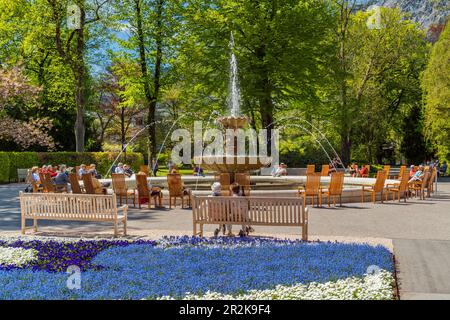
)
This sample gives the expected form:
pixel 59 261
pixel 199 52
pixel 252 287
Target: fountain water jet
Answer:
pixel 231 163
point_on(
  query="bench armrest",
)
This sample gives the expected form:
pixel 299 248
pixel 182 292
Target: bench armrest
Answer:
pixel 124 210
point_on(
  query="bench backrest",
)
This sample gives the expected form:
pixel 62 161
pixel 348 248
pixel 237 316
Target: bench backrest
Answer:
pixel 252 210
pixel 68 206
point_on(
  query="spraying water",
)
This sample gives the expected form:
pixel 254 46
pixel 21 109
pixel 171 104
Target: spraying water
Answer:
pixel 234 96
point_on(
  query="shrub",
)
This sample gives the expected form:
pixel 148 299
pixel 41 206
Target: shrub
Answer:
pixel 4 168
pixel 21 160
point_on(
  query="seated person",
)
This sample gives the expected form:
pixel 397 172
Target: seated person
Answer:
pixel 353 169
pixel 412 171
pixel 443 169
pixel 198 171
pixel 120 169
pixel 418 175
pixel 174 169
pixel 82 170
pixel 99 188
pixel 363 171
pixel 35 174
pixel 52 172
pixel 93 170
pixel 274 170
pixel 127 170
pixel 61 180
pixel 281 171
pixel 43 169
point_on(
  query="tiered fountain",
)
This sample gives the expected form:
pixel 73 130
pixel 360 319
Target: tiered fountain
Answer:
pixel 231 162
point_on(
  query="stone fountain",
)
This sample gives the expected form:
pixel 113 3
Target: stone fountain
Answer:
pixel 232 163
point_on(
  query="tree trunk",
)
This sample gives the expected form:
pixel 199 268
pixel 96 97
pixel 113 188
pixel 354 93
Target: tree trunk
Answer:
pixel 80 74
pixel 150 99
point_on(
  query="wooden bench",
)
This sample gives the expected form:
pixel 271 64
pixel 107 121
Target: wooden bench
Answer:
pixel 249 211
pixel 66 206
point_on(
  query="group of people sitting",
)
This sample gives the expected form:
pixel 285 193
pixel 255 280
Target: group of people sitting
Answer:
pixel 60 176
pixel 124 169
pixel 279 170
pixel 236 191
pixel 356 172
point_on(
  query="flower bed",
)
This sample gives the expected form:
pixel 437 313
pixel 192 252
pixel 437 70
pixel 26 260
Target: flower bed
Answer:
pixel 195 268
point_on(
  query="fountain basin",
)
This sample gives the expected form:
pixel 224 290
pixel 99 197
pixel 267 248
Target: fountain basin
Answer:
pixel 230 163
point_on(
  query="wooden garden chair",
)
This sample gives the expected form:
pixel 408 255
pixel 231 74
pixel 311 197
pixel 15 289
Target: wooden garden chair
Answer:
pixel 144 168
pixel 378 187
pixel 36 186
pixel 311 189
pixel 430 186
pixel 387 169
pixel 334 189
pixel 401 172
pixel 310 169
pixel 75 184
pixel 225 181
pixel 418 187
pixel 243 179
pixel 121 190
pixel 144 193
pixel 89 185
pixel 47 183
pixel 399 188
pixel 177 190
pixel 325 170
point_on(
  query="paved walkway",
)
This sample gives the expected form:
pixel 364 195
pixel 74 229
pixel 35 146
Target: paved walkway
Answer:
pixel 417 231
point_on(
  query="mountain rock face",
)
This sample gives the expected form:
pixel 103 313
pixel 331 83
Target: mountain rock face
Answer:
pixel 430 14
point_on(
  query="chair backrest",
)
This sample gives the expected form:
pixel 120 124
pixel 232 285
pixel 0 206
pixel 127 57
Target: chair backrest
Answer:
pixel 175 184
pixel 74 184
pixel 118 183
pixel 404 179
pixel 244 181
pixel 336 183
pixel 379 183
pixel 387 169
pixel 432 178
pixel 310 168
pixel 144 168
pixel 223 179
pixel 87 182
pixel 402 171
pixel 325 170
pixel 46 182
pixel 312 184
pixel 142 186
pixel 425 179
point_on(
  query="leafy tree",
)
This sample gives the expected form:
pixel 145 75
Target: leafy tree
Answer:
pixel 16 93
pixel 436 84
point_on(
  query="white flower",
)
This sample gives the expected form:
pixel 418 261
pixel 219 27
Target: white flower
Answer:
pixel 17 256
pixel 371 287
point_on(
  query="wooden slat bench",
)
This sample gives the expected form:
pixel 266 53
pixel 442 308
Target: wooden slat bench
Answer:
pixel 77 207
pixel 249 211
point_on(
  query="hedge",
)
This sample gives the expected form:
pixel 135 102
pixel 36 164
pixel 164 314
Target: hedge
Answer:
pixel 11 161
